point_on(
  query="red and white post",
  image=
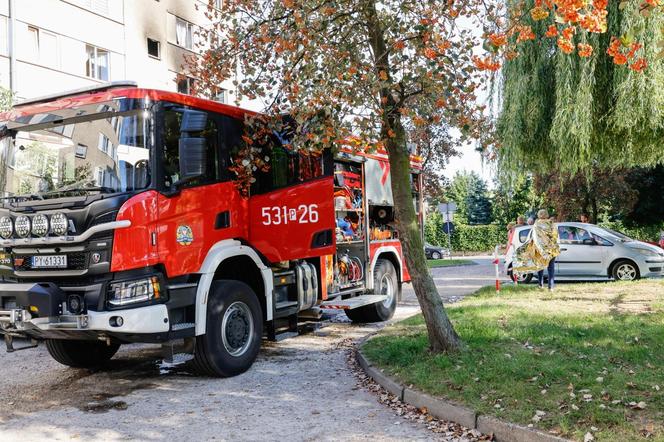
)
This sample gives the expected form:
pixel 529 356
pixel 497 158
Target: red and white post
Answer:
pixel 496 263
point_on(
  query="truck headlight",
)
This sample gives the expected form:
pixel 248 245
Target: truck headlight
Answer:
pixel 22 226
pixel 130 292
pixel 40 225
pixel 6 227
pixel 59 224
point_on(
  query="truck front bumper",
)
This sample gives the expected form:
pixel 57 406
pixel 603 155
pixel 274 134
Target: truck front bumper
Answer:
pixel 39 311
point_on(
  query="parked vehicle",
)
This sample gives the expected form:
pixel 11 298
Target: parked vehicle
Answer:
pixel 122 222
pixel 435 252
pixel 591 251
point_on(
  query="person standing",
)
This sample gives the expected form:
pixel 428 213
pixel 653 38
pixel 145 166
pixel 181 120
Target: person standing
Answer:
pixel 545 236
pixel 520 221
pixel 584 218
pixel 531 221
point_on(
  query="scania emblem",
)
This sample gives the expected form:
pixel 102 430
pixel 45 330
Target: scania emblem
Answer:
pixel 184 236
pixel 96 257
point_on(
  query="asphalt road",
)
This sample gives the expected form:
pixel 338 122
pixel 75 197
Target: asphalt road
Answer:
pixel 298 389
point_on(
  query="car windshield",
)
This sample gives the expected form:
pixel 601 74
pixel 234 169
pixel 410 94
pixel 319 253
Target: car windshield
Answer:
pixel 618 235
pixel 106 155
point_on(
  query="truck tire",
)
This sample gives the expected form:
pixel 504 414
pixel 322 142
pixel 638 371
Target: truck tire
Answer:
pixel 81 354
pixel 233 332
pixel 387 283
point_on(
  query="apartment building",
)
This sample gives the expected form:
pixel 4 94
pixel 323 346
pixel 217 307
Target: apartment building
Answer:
pixel 54 45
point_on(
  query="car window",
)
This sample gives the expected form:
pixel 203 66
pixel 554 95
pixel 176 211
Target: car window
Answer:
pixel 572 235
pixel 523 235
pixel 601 241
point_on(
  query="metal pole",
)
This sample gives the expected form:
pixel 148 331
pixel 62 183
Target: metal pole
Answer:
pixel 12 46
pixel 449 233
pixel 496 262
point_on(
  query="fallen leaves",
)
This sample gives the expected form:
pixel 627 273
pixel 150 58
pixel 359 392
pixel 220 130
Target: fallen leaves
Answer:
pixel 448 431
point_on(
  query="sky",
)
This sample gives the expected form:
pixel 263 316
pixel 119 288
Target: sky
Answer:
pixel 470 160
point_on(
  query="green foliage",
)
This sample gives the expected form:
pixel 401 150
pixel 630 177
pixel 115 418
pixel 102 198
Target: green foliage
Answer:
pixel 566 113
pixel 582 355
pixel 649 207
pixel 515 199
pixel 642 233
pixel 471 196
pixel 479 238
pixel 478 203
pixel 6 99
pixel 435 263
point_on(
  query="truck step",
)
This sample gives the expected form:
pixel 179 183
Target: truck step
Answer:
pixel 351 303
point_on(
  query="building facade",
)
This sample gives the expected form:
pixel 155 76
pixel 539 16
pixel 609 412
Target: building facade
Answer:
pixel 48 46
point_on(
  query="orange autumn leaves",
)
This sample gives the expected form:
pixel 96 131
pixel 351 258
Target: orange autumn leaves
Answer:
pixel 568 18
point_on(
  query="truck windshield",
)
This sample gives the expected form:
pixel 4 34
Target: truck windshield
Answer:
pixel 108 155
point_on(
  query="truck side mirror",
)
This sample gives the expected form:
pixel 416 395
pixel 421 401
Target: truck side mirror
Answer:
pixel 193 158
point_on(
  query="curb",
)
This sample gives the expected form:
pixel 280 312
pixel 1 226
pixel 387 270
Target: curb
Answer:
pixel 447 411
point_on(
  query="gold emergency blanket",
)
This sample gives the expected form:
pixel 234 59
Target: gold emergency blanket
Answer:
pixel 540 248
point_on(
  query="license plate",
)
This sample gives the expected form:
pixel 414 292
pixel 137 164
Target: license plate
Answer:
pixel 49 262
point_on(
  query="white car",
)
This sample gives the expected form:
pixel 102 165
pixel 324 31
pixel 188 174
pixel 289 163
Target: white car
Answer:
pixel 588 251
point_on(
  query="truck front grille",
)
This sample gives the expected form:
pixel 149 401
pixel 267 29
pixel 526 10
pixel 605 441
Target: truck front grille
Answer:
pixel 75 261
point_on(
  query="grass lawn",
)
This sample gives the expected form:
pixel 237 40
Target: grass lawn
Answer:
pixel 589 356
pixel 448 262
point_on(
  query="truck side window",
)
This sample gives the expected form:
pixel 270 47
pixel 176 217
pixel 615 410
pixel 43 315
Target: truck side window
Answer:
pixel 171 157
pixel 288 167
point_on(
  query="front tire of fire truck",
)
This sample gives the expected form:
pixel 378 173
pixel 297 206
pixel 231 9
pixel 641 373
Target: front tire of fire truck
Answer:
pixel 81 354
pixel 233 332
pixel 386 283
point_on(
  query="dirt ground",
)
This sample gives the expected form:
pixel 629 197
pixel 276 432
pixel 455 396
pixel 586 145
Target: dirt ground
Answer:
pixel 299 389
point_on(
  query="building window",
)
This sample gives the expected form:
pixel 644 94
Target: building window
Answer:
pixel 154 48
pixel 48 49
pixel 221 96
pixel 185 85
pixel 97 65
pixel 4 43
pixel 184 33
pixel 98 6
pixel 33 43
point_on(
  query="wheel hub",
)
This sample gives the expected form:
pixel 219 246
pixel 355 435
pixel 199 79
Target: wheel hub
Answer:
pixel 236 328
pixel 626 272
pixel 387 289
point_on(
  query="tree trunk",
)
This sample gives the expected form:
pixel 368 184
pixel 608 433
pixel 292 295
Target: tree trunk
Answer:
pixel 442 337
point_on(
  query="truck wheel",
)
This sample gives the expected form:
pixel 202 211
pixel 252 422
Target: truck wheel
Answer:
pixel 387 283
pixel 233 332
pixel 81 354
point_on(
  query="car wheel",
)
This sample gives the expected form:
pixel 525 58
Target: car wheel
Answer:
pixel 233 331
pixel 625 271
pixel 524 279
pixel 435 255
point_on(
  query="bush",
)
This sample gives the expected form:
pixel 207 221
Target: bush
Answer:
pixel 642 233
pixel 480 238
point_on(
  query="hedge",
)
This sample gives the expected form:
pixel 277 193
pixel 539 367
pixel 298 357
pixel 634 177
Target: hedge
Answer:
pixel 480 238
pixel 484 238
pixel 642 233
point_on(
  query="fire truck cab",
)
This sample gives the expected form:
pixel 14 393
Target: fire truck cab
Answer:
pixel 121 221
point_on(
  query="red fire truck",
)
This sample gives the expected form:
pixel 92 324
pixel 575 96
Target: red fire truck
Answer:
pixel 120 222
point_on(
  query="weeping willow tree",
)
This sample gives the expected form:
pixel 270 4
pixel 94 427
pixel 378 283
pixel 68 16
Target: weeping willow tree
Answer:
pixel 569 113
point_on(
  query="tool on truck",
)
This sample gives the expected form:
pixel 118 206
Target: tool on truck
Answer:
pixel 121 222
